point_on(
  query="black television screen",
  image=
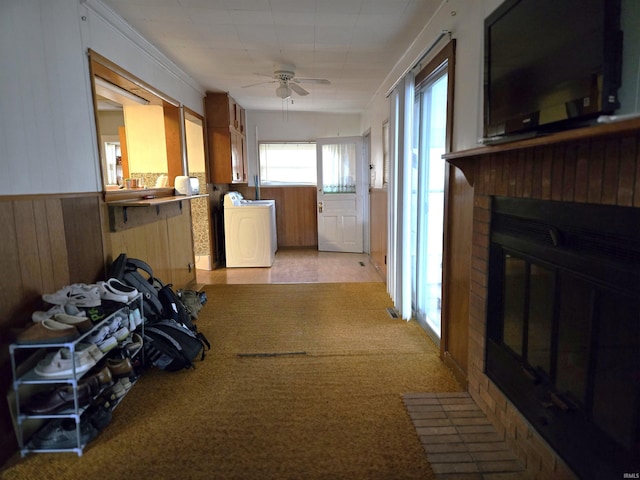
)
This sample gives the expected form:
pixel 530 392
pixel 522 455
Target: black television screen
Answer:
pixel 550 64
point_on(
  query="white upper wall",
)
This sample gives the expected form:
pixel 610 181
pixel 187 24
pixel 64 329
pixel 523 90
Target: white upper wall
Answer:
pixel 294 126
pixel 465 21
pixel 47 127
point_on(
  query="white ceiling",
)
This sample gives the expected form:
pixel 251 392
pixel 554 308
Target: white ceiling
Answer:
pixel 222 44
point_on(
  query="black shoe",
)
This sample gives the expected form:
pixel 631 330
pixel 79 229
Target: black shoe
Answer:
pixel 61 433
pixel 99 415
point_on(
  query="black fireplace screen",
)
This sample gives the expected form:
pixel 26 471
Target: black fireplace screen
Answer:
pixel 563 327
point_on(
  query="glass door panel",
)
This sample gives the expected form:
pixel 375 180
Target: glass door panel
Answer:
pixel 428 202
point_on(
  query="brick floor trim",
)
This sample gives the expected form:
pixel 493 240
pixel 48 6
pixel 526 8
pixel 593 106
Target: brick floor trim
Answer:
pixel 459 440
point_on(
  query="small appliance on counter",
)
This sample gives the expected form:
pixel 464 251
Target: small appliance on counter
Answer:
pixel 185 185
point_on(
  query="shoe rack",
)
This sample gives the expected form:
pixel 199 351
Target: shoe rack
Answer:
pixel 26 382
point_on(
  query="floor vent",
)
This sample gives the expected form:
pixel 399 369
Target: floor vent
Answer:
pixel 393 313
pixel 270 354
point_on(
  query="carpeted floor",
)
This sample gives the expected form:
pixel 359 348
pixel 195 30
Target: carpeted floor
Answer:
pixel 302 382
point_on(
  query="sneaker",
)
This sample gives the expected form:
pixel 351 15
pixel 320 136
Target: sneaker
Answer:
pixel 69 309
pixel 61 433
pixel 122 288
pixel 60 364
pixel 91 349
pixel 109 293
pixel 47 332
pixel 121 334
pixel 83 324
pixel 118 390
pixel 137 317
pixel 78 294
pixel 108 344
pixel 102 338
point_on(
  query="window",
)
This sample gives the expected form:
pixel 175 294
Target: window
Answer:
pixel 287 163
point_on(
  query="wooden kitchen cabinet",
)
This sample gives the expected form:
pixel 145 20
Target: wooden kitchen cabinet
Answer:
pixel 226 139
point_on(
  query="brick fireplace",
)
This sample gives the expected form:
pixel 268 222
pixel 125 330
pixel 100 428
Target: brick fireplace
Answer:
pixel 597 165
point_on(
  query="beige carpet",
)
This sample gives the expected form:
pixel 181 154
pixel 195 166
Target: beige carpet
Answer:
pixel 302 382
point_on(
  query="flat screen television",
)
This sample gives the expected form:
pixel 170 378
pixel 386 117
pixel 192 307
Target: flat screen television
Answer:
pixel 550 65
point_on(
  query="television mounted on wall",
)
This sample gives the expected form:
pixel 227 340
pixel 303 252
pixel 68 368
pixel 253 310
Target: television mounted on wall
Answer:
pixel 550 65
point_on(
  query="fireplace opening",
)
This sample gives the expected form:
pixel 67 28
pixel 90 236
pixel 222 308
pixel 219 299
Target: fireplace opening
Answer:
pixel 563 327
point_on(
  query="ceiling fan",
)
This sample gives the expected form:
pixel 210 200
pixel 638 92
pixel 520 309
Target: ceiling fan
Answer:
pixel 285 76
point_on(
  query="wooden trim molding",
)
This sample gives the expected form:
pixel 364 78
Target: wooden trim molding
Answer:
pixel 586 133
pixel 48 196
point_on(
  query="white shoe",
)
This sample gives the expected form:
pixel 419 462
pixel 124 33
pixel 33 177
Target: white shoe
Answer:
pixel 137 317
pixel 122 288
pixel 108 293
pixel 78 294
pixel 91 349
pixel 121 334
pixel 83 324
pixel 60 364
pixel 102 338
pixel 39 316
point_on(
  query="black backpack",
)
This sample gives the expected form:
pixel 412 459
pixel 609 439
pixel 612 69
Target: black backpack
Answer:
pixel 171 346
pixel 129 271
pixel 174 309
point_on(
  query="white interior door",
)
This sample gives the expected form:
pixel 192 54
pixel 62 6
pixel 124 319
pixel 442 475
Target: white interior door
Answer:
pixel 341 191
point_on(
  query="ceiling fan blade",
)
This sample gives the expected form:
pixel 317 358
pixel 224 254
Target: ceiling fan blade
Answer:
pixel 298 89
pixel 320 81
pixel 259 83
pixel 263 75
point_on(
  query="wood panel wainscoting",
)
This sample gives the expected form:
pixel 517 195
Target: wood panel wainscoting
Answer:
pixel 48 241
pixel 296 216
pixel 166 244
pixel 597 165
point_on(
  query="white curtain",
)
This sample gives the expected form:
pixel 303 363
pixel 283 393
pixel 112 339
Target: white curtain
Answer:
pixel 339 168
pixel 400 127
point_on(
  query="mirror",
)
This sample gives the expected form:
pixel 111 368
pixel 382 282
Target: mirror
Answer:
pixel 138 129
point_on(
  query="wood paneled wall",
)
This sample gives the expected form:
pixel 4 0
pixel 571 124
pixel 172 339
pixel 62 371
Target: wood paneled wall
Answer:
pixel 46 242
pixel 166 245
pixel 296 216
pixel 456 272
pixel 378 229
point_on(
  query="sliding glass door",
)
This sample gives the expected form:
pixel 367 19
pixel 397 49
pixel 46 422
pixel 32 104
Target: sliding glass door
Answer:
pixel 427 200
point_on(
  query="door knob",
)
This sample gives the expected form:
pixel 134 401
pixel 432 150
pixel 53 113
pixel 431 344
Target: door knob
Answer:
pixel 320 205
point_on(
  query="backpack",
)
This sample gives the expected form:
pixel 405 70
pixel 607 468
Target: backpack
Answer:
pixel 128 270
pixel 193 301
pixel 174 309
pixel 171 346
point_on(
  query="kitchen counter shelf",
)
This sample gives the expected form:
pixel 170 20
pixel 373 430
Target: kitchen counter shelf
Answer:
pixel 121 217
pixel 151 202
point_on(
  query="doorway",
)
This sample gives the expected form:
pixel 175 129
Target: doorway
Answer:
pixel 340 194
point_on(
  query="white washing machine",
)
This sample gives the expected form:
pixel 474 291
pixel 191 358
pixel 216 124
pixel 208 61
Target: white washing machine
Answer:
pixel 250 231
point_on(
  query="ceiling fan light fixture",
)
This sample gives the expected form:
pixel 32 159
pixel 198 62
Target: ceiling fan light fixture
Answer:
pixel 283 91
